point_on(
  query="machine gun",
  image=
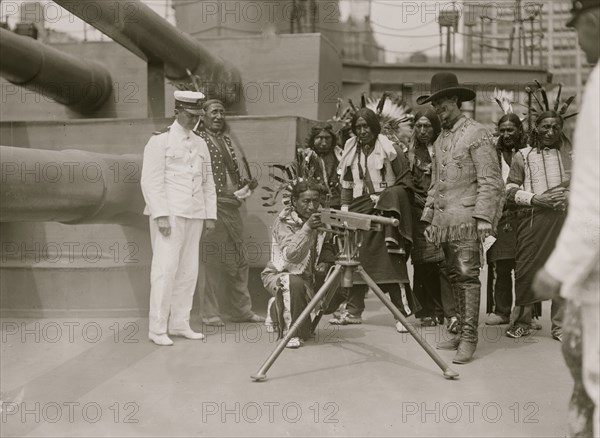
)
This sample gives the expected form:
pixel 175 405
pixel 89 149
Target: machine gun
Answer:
pixel 348 228
pixel 352 221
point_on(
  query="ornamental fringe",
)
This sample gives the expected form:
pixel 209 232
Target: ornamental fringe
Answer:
pixel 452 233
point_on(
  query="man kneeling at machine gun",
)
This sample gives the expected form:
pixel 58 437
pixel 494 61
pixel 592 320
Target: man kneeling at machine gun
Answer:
pixel 301 255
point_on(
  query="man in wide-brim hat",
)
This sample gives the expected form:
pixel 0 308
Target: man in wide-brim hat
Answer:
pixel 446 84
pixel 464 202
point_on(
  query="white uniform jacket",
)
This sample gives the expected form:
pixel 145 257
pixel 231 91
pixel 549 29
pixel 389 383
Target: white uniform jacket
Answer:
pixel 177 176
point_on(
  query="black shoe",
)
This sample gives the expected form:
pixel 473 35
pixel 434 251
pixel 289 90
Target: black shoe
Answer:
pixel 428 322
pixel 517 332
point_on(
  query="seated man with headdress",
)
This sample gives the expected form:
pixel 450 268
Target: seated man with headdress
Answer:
pixel 299 252
pixel 376 179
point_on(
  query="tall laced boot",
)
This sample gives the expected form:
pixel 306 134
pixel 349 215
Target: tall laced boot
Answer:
pixel 470 322
pixel 453 340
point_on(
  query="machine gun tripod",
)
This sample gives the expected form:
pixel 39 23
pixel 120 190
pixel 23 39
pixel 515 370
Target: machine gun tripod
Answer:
pixel 348 226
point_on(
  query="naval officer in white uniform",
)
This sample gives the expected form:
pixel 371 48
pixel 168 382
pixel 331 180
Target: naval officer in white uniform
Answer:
pixel 179 191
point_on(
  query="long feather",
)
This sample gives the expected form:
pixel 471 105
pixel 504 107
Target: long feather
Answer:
pixel 541 106
pixel 557 101
pixel 565 106
pixel 194 78
pixel 363 101
pixel 529 90
pixel 504 100
pixel 381 103
pixel 345 113
pixel 499 103
pixel 352 105
pixel 544 95
pixel 285 169
pixel 570 115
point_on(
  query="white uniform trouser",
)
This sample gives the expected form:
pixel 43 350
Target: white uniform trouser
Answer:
pixel 174 273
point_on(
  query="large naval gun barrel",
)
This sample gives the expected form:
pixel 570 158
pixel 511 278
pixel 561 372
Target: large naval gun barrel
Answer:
pixel 83 86
pixel 70 186
pixel 139 29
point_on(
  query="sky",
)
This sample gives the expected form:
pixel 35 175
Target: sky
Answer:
pixel 401 27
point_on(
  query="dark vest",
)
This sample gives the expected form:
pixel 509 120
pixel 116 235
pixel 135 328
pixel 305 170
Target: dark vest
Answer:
pixel 223 167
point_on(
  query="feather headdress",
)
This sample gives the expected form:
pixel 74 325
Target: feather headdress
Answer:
pixel 394 116
pixel 542 109
pixel 305 167
pixel 539 95
pixel 504 99
pixel 395 119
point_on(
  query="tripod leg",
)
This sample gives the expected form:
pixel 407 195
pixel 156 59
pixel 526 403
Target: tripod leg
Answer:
pixel 448 373
pixel 261 374
pixel 326 303
pixel 315 322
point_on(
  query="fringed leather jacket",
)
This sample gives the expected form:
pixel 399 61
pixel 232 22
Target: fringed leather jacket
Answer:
pixel 466 183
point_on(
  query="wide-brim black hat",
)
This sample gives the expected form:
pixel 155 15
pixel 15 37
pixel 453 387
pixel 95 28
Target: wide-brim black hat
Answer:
pixel 444 84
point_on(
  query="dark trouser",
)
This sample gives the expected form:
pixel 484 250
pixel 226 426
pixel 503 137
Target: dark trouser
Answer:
pixel 354 298
pixel 500 286
pixel 536 237
pixel 224 267
pixel 581 406
pixel 522 315
pixel 433 290
pixel 214 281
pixel 298 302
pixel 463 262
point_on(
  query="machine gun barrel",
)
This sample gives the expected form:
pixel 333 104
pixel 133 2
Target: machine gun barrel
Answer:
pixel 354 221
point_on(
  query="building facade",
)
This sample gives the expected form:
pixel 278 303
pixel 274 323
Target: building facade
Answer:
pixel 523 33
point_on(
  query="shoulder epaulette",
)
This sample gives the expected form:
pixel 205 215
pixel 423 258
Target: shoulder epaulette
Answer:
pixel 162 131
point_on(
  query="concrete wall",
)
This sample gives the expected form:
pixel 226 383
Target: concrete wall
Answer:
pixel 49 268
pixel 284 74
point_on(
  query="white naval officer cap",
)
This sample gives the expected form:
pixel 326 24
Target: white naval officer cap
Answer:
pixel 191 101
